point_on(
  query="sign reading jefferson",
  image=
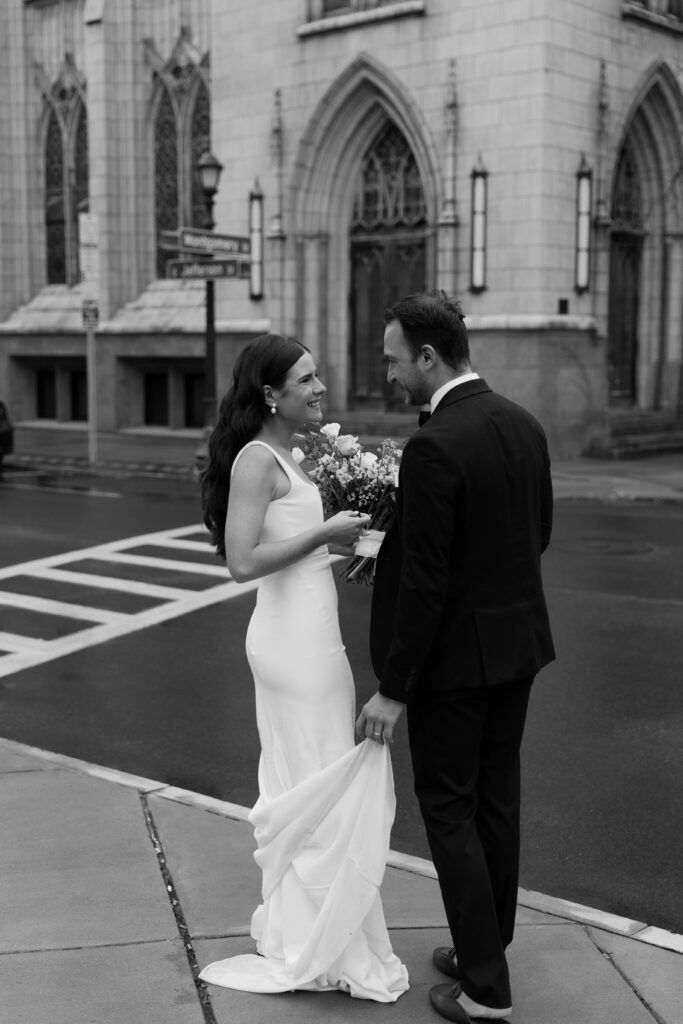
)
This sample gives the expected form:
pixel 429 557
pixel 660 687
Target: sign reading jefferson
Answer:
pixel 207 270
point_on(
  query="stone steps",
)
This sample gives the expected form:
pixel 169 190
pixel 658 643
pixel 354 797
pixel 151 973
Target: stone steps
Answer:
pixel 633 446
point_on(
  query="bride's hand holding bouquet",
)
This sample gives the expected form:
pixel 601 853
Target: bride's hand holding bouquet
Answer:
pixel 349 477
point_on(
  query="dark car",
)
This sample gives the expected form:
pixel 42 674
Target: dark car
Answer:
pixel 6 432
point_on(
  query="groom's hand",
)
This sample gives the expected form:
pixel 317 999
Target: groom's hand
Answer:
pixel 378 718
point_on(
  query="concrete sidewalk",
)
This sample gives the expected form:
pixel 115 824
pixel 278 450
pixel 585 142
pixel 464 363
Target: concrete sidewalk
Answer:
pixel 116 889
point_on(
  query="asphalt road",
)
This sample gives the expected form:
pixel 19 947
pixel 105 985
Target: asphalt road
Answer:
pixel 602 759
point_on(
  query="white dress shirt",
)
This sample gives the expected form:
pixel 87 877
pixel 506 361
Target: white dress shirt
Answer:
pixel 445 388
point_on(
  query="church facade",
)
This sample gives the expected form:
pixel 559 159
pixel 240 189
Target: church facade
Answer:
pixel 525 157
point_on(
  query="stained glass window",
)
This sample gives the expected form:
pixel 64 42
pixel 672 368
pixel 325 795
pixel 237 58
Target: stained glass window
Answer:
pixel 166 175
pixel 389 193
pixel 80 171
pixel 201 142
pixel 81 163
pixel 55 223
pixel 182 134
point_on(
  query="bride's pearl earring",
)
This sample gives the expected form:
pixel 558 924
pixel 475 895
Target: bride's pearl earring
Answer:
pixel 273 409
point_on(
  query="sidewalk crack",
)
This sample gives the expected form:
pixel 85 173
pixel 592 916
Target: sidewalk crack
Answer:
pixel 624 977
pixel 181 923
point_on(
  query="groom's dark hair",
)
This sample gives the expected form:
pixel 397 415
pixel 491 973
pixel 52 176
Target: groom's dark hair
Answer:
pixel 433 318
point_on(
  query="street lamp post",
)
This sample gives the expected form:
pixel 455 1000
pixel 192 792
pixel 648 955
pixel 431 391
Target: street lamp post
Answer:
pixel 209 169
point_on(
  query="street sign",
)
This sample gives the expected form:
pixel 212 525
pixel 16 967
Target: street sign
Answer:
pixel 200 241
pixel 207 270
pixel 90 314
pixel 168 240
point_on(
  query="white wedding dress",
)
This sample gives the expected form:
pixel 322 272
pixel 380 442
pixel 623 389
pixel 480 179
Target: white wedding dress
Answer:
pixel 325 809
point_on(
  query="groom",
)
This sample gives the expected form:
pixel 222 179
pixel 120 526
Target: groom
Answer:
pixel 459 629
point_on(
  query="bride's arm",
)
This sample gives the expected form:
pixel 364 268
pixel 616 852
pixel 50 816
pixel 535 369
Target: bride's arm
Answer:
pixel 254 485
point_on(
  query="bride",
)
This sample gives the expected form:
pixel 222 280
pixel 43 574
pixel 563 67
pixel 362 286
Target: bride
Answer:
pixel 325 807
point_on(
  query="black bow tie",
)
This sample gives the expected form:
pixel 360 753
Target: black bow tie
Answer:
pixel 423 417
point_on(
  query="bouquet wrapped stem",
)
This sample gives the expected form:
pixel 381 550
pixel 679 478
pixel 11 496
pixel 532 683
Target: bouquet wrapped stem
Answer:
pixel 361 568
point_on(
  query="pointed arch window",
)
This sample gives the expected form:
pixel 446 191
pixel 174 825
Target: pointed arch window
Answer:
pixel 66 185
pixel 55 220
pixel 201 143
pixel 166 173
pixel 81 164
pixel 182 132
pixel 389 193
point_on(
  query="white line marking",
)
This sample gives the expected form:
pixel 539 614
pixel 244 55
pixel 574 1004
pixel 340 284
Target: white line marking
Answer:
pixel 25 652
pixel 20 644
pixel 110 583
pixel 65 611
pixel 184 545
pixel 96 551
pixel 165 563
pixel 133 623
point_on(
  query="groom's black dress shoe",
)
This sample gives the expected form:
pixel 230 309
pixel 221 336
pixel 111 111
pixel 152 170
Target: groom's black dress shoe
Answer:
pixel 444 958
pixel 444 999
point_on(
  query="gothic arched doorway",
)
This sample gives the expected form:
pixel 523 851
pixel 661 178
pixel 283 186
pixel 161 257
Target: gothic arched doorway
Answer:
pixel 388 257
pixel 626 246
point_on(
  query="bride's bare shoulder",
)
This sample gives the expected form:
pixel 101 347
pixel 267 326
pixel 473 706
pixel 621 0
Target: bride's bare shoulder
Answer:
pixel 254 463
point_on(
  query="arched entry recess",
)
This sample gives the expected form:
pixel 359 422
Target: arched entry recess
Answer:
pixel 646 250
pixel 388 254
pixel 364 106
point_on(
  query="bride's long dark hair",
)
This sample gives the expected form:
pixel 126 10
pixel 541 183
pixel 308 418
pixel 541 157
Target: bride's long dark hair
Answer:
pixel 240 417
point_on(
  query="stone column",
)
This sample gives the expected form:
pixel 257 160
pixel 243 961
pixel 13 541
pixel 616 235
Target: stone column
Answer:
pixel 110 63
pixel 671 356
pixel 447 230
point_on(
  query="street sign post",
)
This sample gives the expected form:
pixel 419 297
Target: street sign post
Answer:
pixel 225 257
pixel 89 262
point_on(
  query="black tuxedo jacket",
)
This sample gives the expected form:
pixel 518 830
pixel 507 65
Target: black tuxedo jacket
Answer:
pixel 458 599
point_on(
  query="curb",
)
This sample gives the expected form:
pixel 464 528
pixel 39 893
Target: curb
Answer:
pixel 72 466
pixel 552 905
pixel 615 489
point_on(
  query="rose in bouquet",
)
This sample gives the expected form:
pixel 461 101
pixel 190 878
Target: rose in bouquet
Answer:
pixel 350 477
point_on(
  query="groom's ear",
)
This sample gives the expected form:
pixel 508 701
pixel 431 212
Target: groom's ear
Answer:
pixel 427 355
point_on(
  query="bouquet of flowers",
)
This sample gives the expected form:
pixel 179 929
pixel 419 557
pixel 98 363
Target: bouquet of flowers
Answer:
pixel 349 477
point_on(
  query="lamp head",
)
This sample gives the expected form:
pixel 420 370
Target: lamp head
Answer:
pixel 209 169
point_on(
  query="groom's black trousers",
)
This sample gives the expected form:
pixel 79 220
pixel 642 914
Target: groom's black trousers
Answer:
pixel 465 751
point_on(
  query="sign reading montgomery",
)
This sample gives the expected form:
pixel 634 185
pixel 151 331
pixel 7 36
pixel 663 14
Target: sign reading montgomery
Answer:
pixel 201 241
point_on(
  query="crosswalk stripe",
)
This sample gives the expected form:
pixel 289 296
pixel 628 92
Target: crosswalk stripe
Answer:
pixel 78 641
pixel 185 545
pixel 64 609
pixel 99 549
pixel 100 625
pixel 17 644
pixel 87 579
pixel 151 562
